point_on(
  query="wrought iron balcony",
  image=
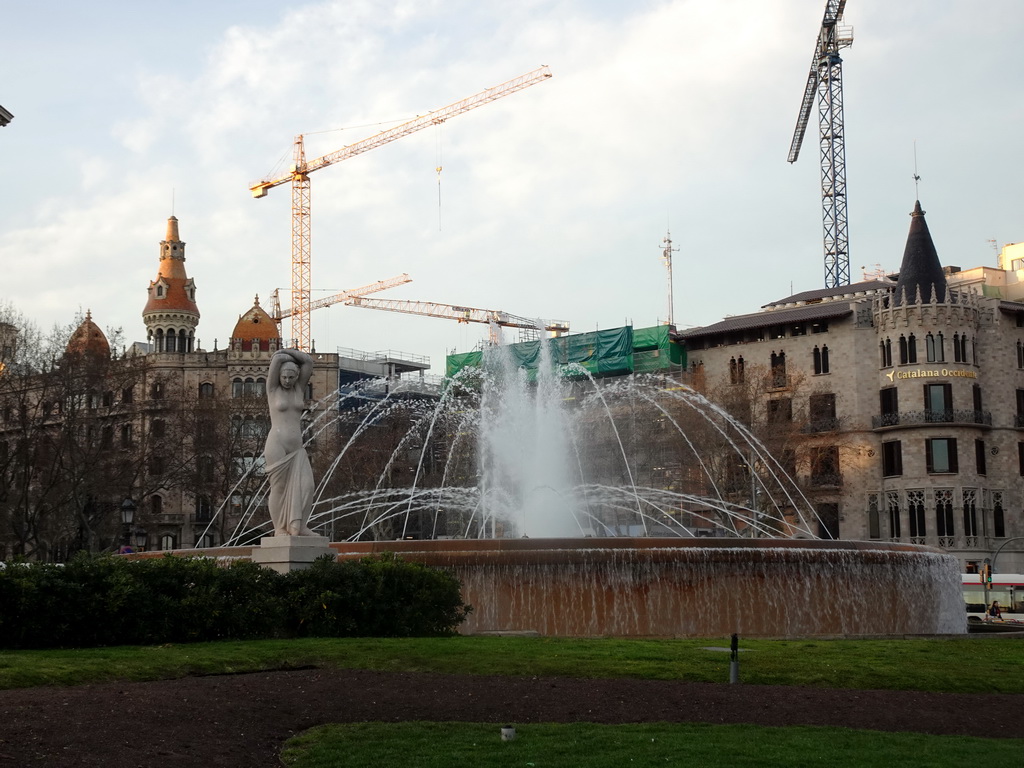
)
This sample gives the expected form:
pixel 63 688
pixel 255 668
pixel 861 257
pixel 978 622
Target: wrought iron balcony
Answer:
pixel 951 416
pixel 823 424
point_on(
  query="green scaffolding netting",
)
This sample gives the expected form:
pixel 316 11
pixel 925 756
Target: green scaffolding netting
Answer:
pixel 613 352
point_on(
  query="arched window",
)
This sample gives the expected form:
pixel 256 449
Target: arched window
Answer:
pixel 912 349
pixel 237 388
pixel 903 350
pixel 168 541
pixel 821 359
pixel 170 341
pixel 206 389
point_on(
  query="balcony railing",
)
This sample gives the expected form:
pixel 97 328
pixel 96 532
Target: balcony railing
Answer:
pixel 822 424
pixel 952 416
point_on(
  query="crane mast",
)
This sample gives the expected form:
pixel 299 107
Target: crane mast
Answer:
pixel 298 176
pixel 826 81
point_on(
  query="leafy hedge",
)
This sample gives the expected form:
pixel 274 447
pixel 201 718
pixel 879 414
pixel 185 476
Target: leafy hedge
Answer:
pixel 103 600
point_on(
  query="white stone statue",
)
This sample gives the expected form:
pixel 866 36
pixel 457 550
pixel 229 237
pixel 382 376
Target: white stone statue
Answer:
pixel 287 465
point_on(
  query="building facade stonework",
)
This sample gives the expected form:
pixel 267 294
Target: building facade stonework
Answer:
pixel 907 394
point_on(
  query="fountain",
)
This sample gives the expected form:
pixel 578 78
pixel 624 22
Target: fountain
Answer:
pixel 630 506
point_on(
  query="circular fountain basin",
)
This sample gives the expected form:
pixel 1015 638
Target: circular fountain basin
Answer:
pixel 673 587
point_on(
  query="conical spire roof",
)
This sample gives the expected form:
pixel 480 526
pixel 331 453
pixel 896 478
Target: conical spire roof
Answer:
pixel 173 290
pixel 921 275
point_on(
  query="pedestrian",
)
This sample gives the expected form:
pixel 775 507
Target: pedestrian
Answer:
pixel 993 611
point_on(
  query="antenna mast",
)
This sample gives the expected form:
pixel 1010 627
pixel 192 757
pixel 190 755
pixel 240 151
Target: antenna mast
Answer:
pixel 666 254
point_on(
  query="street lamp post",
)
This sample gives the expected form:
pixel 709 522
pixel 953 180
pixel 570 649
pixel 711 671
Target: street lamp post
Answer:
pixel 128 508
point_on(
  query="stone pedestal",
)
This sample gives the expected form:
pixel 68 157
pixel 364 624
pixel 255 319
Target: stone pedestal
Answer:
pixel 290 553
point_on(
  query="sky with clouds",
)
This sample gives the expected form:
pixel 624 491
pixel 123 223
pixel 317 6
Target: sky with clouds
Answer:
pixel 552 202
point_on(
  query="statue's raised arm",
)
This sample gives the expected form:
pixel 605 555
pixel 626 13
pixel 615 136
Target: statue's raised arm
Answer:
pixel 287 465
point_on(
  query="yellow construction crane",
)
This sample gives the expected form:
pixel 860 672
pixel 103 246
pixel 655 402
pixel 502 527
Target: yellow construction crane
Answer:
pixel 381 285
pixel 299 178
pixel 492 317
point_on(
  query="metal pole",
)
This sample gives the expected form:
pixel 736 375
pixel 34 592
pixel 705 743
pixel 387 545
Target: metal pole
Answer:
pixel 734 663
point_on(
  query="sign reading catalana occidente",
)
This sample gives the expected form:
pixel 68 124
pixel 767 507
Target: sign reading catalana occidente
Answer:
pixel 932 373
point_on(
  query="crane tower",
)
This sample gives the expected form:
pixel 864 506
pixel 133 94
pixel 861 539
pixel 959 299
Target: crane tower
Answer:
pixel 301 168
pixel 826 80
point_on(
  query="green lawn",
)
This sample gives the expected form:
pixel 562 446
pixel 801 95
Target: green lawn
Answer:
pixel 586 745
pixel 969 664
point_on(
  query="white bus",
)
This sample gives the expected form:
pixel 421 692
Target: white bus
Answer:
pixel 1006 588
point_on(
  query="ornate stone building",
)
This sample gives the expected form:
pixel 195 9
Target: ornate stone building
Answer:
pixel 167 425
pixel 907 394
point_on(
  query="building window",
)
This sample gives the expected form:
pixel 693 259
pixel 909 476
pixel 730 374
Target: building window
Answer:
pixel 820 326
pixel 885 349
pixel 1020 457
pixel 127 395
pixel 998 521
pixel 237 387
pixel 828 521
pixel 156 504
pixel 107 437
pixel 979 456
pixel 108 399
pixel 126 435
pixel 892 505
pixel 915 508
pixel 820 360
pixel 158 428
pixel 874 524
pixel 778 370
pixel 944 516
pixel 167 541
pixel 889 402
pixel 204 466
pixel 798 329
pixel 736 370
pixel 892 458
pixel 960 350
pixel 157 391
pixel 780 411
pixel 204 511
pixel 908 349
pixel 970 514
pixel 940 455
pixel 206 390
pixel 822 412
pixel 825 466
pixel 935 348
pixel 938 402
pixel 156 465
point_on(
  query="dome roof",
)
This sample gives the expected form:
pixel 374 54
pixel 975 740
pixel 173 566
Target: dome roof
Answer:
pixel 255 325
pixel 88 339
